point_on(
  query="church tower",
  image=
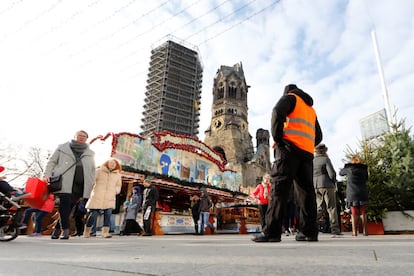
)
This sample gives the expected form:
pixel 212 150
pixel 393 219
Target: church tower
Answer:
pixel 228 132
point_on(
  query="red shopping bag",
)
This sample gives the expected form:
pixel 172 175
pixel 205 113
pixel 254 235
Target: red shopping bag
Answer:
pixel 38 190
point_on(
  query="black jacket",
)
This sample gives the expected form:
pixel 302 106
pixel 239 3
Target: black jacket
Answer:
pixel 356 188
pixel 150 197
pixel 205 201
pixel 324 175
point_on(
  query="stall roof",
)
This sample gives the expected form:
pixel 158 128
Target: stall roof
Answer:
pixel 191 188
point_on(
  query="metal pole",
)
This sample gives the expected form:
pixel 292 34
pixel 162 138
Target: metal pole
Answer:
pixel 390 118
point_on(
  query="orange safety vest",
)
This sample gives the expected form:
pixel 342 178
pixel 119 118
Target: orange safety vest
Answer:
pixel 299 127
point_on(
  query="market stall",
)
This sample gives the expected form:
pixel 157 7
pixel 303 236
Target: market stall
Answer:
pixel 178 166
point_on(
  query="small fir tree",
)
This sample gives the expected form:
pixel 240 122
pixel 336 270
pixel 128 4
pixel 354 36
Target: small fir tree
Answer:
pixel 390 161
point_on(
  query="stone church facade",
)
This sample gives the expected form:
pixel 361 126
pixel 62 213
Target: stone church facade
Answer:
pixel 228 132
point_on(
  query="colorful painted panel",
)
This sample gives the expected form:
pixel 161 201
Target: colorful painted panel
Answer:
pixel 174 155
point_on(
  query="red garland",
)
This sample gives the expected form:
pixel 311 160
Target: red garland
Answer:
pixel 167 145
pixel 115 138
pixel 189 148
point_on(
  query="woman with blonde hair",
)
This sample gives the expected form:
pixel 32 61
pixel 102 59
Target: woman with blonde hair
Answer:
pixel 357 193
pixel 262 193
pixel 108 183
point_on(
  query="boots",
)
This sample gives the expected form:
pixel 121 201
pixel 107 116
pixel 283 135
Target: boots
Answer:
pixel 65 234
pixel 55 234
pixel 87 232
pixel 105 232
pixel 77 234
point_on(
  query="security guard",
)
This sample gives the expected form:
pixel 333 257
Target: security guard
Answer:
pixel 295 131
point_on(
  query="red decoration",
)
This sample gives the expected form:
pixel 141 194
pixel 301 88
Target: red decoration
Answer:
pixel 193 147
pixel 115 138
pixel 38 190
pixel 162 143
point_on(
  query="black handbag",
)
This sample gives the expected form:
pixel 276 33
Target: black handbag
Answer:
pixel 55 182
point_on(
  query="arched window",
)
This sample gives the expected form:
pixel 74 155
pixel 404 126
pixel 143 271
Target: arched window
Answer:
pixel 232 92
pixel 220 93
pixel 221 151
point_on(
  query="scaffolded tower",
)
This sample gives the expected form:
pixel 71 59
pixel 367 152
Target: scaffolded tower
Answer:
pixel 173 90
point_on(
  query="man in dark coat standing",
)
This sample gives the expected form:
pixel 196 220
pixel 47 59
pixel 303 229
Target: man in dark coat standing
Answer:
pixel 324 181
pixel 148 205
pixel 295 131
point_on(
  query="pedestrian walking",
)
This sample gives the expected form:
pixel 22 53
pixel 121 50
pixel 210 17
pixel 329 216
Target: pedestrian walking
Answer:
pixel 77 160
pixel 108 183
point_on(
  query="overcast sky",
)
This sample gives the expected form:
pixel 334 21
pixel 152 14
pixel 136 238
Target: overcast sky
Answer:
pixel 77 64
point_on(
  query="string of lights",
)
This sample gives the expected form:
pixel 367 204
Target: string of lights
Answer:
pixel 219 33
pixel 12 5
pixel 31 20
pixel 221 19
pixel 111 35
pixel 240 22
pixel 75 49
pixel 138 50
pixel 64 22
pixel 235 12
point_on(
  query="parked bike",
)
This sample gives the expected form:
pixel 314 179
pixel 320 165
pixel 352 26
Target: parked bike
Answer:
pixel 10 214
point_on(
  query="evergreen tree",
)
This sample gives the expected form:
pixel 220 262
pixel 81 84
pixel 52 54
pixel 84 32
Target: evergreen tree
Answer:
pixel 390 161
pixel 397 156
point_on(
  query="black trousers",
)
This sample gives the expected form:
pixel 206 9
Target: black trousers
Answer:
pixel 262 210
pixel 66 203
pixel 147 220
pixel 79 223
pixel 291 168
pixel 196 217
pixel 289 217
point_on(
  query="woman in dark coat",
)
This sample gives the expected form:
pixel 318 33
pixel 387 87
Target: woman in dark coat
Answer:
pixel 130 224
pixel 195 211
pixel 357 193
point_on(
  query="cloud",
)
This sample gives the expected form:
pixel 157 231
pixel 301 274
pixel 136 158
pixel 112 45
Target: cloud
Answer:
pixel 83 64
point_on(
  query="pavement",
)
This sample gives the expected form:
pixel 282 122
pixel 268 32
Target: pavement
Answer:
pixel 221 254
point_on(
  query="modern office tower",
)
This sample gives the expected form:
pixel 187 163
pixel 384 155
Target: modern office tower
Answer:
pixel 173 90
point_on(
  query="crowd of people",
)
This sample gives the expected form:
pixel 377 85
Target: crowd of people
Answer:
pixel 86 193
pixel 300 190
pixel 301 164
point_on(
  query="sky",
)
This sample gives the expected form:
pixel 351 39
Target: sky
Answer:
pixel 67 65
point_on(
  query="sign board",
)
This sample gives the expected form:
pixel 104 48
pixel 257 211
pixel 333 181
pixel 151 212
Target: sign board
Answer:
pixel 374 125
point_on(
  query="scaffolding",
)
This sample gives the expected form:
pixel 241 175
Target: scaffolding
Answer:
pixel 173 90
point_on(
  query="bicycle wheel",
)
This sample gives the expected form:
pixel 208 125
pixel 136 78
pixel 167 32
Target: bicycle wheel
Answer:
pixel 8 233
